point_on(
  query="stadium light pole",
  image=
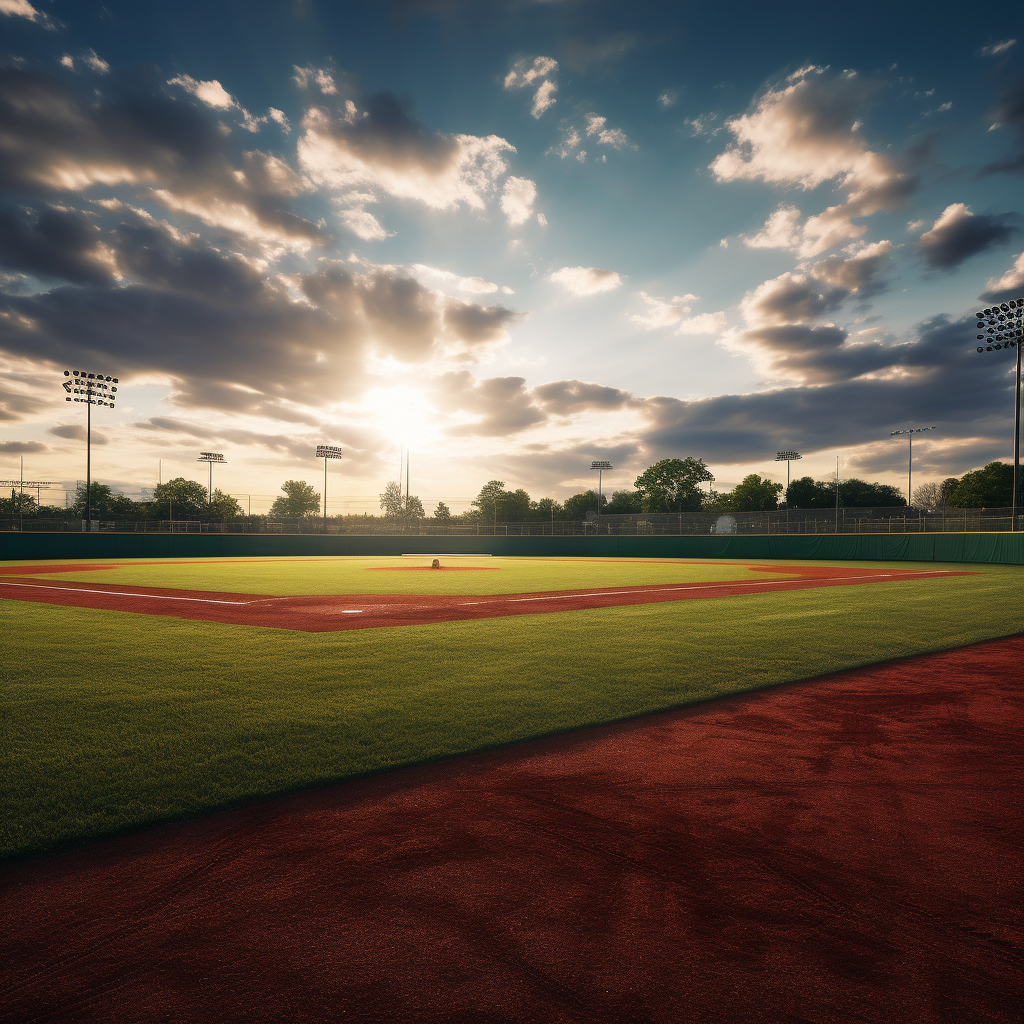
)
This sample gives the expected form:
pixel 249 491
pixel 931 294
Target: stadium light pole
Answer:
pixel 1003 328
pixel 787 458
pixel 910 457
pixel 327 452
pixel 92 389
pixel 600 467
pixel 211 458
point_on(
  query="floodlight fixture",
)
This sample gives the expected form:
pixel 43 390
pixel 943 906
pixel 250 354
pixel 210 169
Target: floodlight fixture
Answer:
pixel 910 432
pixel 89 389
pixel 1002 327
pixel 601 467
pixel 787 458
pixel 211 458
pixel 325 452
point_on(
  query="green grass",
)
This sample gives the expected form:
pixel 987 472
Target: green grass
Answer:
pixel 311 576
pixel 114 720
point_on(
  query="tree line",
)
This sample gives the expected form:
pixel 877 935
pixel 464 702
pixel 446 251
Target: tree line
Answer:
pixel 671 485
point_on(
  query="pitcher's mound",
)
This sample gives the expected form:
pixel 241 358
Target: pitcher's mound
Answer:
pixel 429 568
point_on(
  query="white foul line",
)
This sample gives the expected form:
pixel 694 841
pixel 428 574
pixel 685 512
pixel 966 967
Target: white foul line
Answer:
pixel 120 593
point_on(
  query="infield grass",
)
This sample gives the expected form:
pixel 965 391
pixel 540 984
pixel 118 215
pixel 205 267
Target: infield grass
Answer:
pixel 396 575
pixel 115 720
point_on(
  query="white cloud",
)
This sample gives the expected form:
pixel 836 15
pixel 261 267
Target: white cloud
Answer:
pixel 324 80
pixel 364 224
pixel 97 63
pixel 212 93
pixel 706 323
pixel 22 8
pixel 388 151
pixel 517 200
pixel 524 73
pixel 997 48
pixel 471 285
pixel 279 117
pixel 570 140
pixel 1011 281
pixel 543 98
pixel 67 60
pixel 668 98
pixel 663 312
pixel 614 137
pixel 781 231
pixel 586 280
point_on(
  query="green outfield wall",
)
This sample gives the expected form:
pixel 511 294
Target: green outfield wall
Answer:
pixel 1005 548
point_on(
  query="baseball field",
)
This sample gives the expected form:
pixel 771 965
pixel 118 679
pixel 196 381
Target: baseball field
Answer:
pixel 162 717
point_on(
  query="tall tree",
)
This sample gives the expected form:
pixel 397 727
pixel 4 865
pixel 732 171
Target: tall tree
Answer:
pixel 224 506
pixel 546 509
pixel 19 503
pixel 991 487
pixel 933 495
pixel 516 506
pixel 178 499
pixel 624 503
pixel 755 494
pixel 490 501
pixel 299 499
pixel 854 493
pixel 392 501
pixel 673 485
pixel 805 492
pixel 577 506
pixel 442 512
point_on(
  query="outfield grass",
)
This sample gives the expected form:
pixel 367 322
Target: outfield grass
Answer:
pixel 313 576
pixel 115 720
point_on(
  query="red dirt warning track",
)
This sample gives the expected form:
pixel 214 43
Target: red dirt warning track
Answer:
pixel 365 611
pixel 846 849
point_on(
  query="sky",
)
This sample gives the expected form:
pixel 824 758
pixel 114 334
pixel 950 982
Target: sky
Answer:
pixel 513 237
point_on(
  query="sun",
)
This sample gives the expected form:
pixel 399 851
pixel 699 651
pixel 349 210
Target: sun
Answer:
pixel 402 415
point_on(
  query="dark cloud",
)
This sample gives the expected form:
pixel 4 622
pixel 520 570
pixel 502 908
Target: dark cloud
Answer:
pixel 54 141
pixel 403 316
pixel 938 379
pixel 16 405
pixel 76 432
pixel 958 234
pixel 566 397
pixel 22 447
pixel 388 134
pixel 503 404
pixel 1009 113
pixel 816 355
pixel 861 275
pixel 474 324
pixel 56 244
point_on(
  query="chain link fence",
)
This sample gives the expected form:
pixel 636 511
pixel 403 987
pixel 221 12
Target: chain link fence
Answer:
pixel 786 521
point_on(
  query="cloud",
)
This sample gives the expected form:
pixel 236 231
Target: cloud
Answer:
pixel 383 147
pixel 663 312
pixel 21 447
pixel 569 397
pixel 941 380
pixel 614 137
pixel 475 325
pixel 668 98
pixel 55 244
pixel 807 132
pixel 472 285
pixel 524 73
pixel 1009 113
pixel 1009 286
pixel 363 223
pixel 706 323
pixel 23 9
pixel 502 405
pixel 76 432
pixel 517 200
pixel 212 93
pixel 55 142
pixel 959 234
pixel 996 48
pixel 586 280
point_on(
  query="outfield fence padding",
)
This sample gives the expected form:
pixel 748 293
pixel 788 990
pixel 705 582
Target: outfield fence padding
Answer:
pixel 996 548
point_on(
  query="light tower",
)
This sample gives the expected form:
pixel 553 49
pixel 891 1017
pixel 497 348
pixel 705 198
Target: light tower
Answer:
pixel 326 452
pixel 92 389
pixel 787 458
pixel 600 467
pixel 910 456
pixel 1003 328
pixel 211 458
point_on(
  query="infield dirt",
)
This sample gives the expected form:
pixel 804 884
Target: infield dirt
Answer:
pixel 840 849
